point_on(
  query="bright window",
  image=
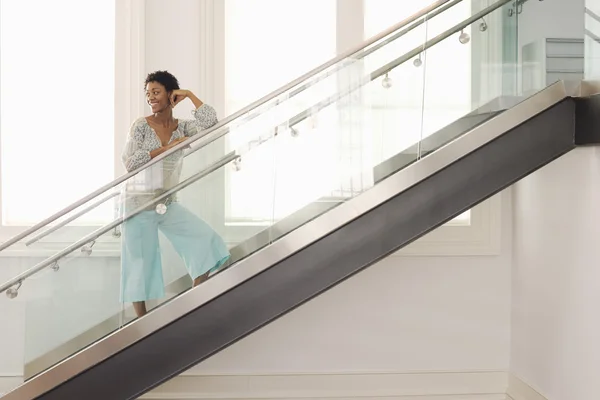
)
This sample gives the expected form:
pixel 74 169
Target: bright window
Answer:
pixel 57 66
pixel 268 44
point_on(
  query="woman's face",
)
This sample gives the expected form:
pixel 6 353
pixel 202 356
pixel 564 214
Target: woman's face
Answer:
pixel 157 97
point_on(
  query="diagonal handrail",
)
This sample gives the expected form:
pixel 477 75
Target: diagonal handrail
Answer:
pixel 73 217
pixel 296 119
pixel 312 82
pixel 232 156
pixel 118 221
pixel 208 136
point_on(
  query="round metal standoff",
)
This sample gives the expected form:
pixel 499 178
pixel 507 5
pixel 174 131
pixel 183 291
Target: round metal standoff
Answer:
pixel 418 62
pixel 464 37
pixel 237 164
pixel 116 233
pixel 87 249
pixel 387 82
pixel 483 25
pixel 294 132
pixel 55 267
pixel 13 292
pixel 161 208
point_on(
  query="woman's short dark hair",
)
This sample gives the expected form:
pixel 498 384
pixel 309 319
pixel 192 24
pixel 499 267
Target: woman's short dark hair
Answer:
pixel 165 78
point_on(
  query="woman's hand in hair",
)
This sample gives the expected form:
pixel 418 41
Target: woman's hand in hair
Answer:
pixel 178 95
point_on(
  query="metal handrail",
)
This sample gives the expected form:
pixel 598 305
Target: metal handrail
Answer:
pixel 106 228
pixel 71 218
pixel 370 50
pixel 391 65
pixel 207 136
pixel 232 156
pixel 319 78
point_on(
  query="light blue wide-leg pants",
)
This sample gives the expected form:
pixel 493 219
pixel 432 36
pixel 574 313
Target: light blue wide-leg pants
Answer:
pixel 200 247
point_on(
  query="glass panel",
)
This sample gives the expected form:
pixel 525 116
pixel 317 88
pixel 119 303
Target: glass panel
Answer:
pixel 447 94
pixel 510 50
pixel 65 304
pixel 318 157
pixel 463 78
pixel 396 104
pixel 279 59
pixel 76 304
pixel 248 127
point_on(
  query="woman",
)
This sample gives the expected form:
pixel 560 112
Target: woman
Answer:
pixel 202 250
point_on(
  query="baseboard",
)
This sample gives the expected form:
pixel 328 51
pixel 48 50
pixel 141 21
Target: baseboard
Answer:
pixel 345 386
pixel 8 382
pixel 519 390
pixel 373 386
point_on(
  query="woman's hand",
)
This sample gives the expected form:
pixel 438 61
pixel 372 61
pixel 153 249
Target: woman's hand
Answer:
pixel 160 150
pixel 178 95
pixel 176 142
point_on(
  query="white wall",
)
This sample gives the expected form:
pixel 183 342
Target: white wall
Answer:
pixel 403 314
pixel 551 19
pixel 555 322
pixel 172 37
pixel 542 20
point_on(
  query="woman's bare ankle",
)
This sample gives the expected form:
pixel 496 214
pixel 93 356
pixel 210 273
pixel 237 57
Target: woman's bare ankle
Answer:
pixel 140 308
pixel 200 279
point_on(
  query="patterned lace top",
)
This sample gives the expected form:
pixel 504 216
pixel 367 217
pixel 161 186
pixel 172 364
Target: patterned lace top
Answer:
pixel 142 139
